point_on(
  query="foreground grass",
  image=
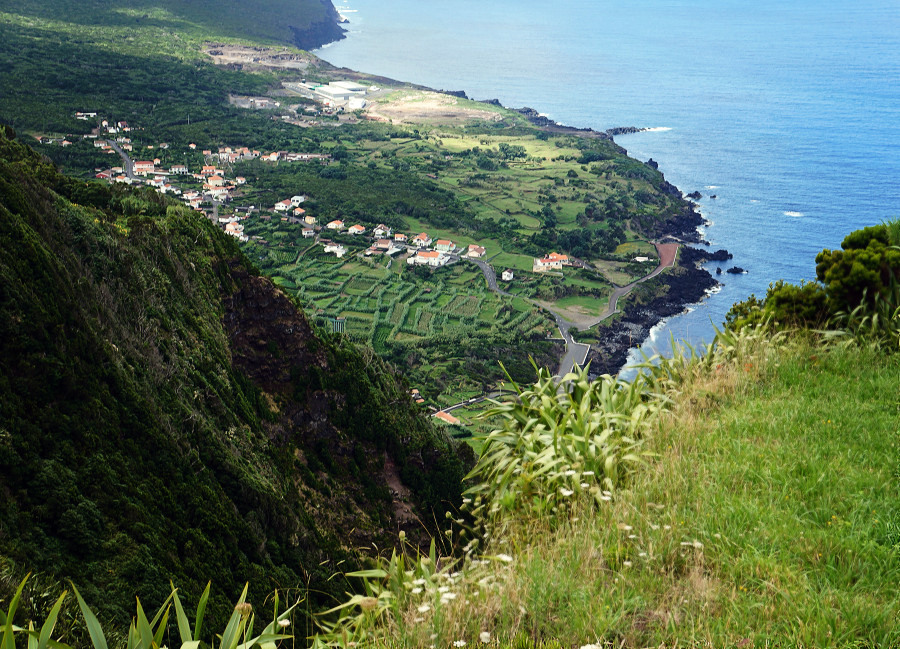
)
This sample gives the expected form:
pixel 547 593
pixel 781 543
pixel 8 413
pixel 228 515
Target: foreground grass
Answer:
pixel 769 518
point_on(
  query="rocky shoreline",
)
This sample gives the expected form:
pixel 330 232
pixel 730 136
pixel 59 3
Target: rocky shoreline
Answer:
pixel 686 284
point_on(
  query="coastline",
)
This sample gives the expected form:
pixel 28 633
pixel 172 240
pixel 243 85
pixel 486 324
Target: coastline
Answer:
pixel 684 285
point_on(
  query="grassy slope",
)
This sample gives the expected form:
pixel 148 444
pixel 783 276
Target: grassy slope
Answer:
pixel 770 518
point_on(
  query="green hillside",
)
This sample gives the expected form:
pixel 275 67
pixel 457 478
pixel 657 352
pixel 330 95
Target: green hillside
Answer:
pixel 166 413
pixel 305 23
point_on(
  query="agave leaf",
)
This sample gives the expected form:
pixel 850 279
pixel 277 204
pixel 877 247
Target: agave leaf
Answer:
pixel 161 629
pixel 375 573
pixel 201 609
pixel 93 624
pixel 184 627
pixel 8 630
pixel 232 631
pixel 32 640
pixel 50 622
pixel 143 626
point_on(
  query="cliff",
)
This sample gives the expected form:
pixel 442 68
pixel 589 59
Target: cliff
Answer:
pixel 166 413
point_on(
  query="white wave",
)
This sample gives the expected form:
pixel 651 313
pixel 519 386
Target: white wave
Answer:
pixel 657 129
pixel 754 200
pixel 712 186
pixel 794 214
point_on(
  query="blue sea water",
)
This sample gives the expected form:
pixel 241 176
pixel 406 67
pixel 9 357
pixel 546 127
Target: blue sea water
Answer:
pixel 788 111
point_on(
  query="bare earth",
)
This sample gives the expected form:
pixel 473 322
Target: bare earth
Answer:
pixel 256 58
pixel 428 107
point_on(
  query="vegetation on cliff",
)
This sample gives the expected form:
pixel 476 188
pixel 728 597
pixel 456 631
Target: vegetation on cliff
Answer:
pixel 165 413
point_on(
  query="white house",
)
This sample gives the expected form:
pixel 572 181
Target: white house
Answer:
pixel 381 231
pixel 355 229
pixel 338 250
pixel 335 225
pixel 506 275
pixel 296 200
pixel 551 261
pixel 475 251
pixel 444 245
pixel 282 206
pixel 428 258
pixel 422 240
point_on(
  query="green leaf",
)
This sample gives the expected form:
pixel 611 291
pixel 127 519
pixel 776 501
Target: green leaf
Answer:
pixel 375 573
pixel 184 627
pixel 32 640
pixel 93 625
pixel 50 622
pixel 201 609
pixel 143 627
pixel 8 630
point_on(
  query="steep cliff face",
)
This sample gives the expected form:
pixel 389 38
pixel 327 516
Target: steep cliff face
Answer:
pixel 319 32
pixel 165 413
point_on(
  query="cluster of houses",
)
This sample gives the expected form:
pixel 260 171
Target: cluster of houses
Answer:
pixel 425 250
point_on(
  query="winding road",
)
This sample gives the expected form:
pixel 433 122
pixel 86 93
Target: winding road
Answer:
pixel 576 353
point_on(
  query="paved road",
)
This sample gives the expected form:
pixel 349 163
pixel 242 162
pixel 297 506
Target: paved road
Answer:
pixel 576 353
pixel 129 164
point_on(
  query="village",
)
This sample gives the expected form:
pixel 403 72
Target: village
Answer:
pixel 208 187
pixel 366 292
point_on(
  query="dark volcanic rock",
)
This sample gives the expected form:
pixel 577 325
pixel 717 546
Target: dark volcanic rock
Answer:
pixel 456 93
pixel 651 162
pixel 695 195
pixel 736 270
pixel 698 255
pixel 687 286
pixel 623 130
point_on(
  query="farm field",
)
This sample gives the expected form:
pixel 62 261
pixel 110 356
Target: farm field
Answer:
pixel 444 328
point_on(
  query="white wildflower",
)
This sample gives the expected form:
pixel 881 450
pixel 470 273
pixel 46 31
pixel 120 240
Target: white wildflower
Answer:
pixel 570 473
pixel 418 620
pixel 446 597
pixel 444 589
pixel 587 473
pixel 284 623
pixel 424 608
pixel 416 590
pixel 627 564
pixel 459 643
pixel 419 582
pixel 585 485
pixel 505 558
pixel 566 492
pixel 485 637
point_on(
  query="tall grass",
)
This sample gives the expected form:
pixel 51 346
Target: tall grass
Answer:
pixel 767 515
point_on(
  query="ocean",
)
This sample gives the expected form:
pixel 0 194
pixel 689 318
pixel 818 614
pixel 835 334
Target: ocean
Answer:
pixel 789 112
